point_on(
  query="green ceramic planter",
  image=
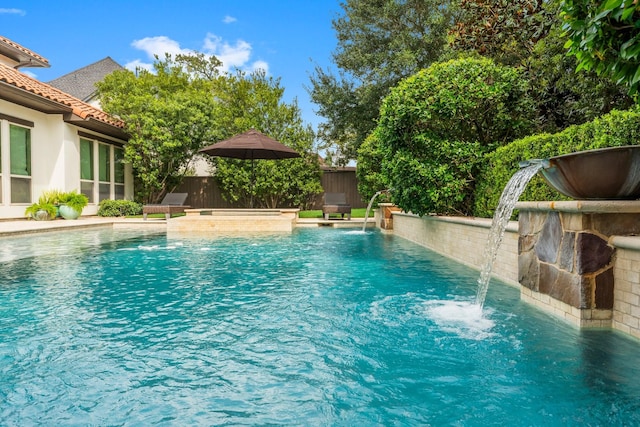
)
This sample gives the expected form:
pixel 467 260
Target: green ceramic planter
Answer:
pixel 67 212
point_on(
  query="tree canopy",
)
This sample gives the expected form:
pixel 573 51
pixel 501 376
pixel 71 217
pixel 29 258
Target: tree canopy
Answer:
pixel 255 101
pixel 605 37
pixel 380 42
pixel 503 30
pixel 169 115
pixel 184 104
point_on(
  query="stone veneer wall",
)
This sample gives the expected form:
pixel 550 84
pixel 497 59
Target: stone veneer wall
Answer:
pixel 462 239
pixel 567 261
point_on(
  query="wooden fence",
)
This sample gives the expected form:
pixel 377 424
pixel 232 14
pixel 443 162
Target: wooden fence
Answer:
pixel 204 193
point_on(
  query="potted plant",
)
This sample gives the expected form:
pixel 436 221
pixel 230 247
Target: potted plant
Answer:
pixel 71 204
pixel 41 211
pixel 52 197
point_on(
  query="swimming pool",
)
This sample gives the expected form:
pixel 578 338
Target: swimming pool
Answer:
pixel 320 327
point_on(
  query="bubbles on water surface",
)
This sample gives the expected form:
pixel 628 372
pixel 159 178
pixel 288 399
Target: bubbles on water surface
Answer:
pixel 463 318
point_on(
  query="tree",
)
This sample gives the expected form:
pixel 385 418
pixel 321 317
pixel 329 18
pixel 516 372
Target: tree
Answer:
pixel 380 42
pixel 187 103
pixel 435 127
pixel 255 101
pixel 565 97
pixel 605 37
pixel 169 114
pixel 371 178
pixel 528 34
pixel 503 30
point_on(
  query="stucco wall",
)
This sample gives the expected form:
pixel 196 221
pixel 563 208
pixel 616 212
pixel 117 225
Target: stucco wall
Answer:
pixel 55 158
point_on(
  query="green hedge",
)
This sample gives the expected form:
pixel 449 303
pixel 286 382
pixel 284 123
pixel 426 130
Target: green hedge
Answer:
pixel 119 208
pixel 611 130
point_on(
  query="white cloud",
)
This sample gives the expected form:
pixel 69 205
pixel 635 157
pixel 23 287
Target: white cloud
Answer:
pixel 137 64
pixel 229 19
pixel 13 11
pixel 159 46
pixel 260 65
pixel 231 55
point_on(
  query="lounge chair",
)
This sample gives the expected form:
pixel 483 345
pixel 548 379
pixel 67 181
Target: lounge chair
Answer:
pixel 172 203
pixel 336 203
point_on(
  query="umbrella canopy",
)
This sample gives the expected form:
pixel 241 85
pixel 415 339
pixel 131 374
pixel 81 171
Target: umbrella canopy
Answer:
pixel 250 145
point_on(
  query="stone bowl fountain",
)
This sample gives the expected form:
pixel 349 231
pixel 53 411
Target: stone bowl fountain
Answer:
pixel 604 174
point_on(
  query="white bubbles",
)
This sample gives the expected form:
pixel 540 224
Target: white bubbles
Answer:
pixel 463 318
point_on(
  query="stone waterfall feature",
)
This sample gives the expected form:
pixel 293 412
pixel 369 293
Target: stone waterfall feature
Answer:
pixel 564 254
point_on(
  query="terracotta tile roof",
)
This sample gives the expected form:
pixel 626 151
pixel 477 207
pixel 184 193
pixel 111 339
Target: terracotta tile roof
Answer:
pixel 81 109
pixel 40 60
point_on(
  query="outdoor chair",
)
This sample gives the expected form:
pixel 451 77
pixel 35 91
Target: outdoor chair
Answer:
pixel 336 203
pixel 172 203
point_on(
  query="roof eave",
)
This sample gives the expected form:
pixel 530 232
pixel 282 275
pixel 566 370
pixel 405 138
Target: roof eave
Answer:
pixel 19 96
pixel 97 126
pixel 23 97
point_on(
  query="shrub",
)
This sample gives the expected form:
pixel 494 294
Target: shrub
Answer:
pixel 119 208
pixel 611 130
pixel 435 126
pixel 369 170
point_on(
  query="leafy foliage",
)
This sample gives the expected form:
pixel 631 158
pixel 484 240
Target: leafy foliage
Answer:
pixel 255 101
pixel 435 126
pixel 614 129
pixel 74 200
pixel 471 100
pixel 605 37
pixel 528 34
pixel 503 30
pixel 169 115
pixel 185 104
pixel 118 208
pixel 380 42
pixel 33 210
pixel 566 97
pixel 369 171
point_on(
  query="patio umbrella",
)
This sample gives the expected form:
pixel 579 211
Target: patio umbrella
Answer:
pixel 250 145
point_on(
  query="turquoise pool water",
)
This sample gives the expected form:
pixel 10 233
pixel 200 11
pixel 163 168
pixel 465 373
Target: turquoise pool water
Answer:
pixel 322 327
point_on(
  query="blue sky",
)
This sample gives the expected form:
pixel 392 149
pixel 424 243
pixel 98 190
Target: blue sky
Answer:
pixel 288 38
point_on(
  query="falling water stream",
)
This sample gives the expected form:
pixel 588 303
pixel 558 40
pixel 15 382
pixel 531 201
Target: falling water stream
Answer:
pixel 366 215
pixel 512 191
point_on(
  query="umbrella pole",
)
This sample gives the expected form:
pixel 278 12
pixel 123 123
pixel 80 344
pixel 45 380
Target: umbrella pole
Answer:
pixel 253 182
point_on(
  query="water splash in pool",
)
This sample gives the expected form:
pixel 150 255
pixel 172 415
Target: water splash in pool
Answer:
pixel 512 191
pixel 463 318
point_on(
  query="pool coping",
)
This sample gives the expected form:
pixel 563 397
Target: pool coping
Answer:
pixel 25 226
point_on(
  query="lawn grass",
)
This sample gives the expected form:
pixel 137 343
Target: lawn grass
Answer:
pixel 355 213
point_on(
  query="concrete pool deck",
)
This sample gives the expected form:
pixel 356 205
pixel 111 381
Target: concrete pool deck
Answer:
pixel 25 226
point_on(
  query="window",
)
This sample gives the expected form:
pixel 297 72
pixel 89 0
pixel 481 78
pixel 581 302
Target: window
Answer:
pixel 118 172
pixel 0 161
pixel 20 159
pixel 86 168
pixel 104 171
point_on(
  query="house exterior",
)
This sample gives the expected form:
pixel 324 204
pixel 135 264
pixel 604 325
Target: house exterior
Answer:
pixel 50 139
pixel 81 83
